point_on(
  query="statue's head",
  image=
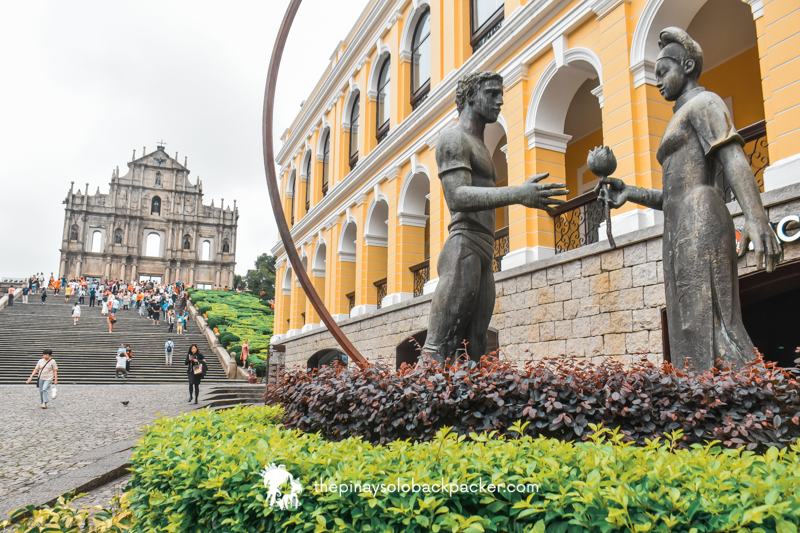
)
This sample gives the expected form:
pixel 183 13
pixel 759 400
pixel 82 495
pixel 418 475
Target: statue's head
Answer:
pixel 483 92
pixel 679 62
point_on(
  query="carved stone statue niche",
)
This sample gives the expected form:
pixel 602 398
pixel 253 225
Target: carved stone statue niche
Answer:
pixel 701 274
pixel 464 299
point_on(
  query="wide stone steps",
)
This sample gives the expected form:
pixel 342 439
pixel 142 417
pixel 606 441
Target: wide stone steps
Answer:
pixel 86 353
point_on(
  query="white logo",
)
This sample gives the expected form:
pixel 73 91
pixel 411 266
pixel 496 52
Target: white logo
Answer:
pixel 276 477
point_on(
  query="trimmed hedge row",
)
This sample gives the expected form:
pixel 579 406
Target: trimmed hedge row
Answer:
pixel 237 316
pixel 755 406
pixel 200 472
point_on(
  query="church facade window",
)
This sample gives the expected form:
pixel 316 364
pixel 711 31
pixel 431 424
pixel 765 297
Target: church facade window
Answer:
pixel 118 237
pixel 73 233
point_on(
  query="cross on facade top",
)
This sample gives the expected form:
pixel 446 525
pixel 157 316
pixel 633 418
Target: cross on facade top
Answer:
pixel 161 144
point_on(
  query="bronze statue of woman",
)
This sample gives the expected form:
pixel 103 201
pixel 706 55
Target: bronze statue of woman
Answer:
pixel 701 277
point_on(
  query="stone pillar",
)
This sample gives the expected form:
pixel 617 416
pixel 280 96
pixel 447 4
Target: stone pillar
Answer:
pixel 78 268
pixel 62 270
pixel 135 272
pixel 166 276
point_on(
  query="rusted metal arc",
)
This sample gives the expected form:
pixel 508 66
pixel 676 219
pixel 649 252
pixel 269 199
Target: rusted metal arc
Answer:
pixel 274 193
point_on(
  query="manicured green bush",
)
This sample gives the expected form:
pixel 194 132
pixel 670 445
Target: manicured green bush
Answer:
pixel 227 338
pixel 756 406
pixel 64 517
pixel 200 472
pixel 203 308
pixel 240 314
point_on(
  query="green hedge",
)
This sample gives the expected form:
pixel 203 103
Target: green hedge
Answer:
pixel 240 314
pixel 200 472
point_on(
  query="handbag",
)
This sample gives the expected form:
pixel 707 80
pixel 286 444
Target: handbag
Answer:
pixel 197 369
pixel 113 320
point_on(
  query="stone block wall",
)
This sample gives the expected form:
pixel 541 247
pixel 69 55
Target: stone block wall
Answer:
pixel 591 302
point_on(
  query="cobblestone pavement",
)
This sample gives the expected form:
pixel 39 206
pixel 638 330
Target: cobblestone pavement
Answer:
pixel 37 444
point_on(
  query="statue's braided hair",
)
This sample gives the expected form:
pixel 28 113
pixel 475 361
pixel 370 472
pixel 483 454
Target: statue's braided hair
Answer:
pixel 469 85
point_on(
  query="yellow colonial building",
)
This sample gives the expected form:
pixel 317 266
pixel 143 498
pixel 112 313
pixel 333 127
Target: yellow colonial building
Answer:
pixel 358 176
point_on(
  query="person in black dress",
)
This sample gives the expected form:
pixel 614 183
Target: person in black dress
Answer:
pixel 194 358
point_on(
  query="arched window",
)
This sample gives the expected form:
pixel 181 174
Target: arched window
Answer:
pixel 384 101
pixel 225 247
pixel 206 255
pixel 158 179
pixel 421 60
pixel 308 182
pixel 97 242
pixel 487 18
pixel 187 242
pixel 326 157
pixel 292 179
pixel 118 237
pixel 153 246
pixel 354 114
pixel 155 206
pixel 73 233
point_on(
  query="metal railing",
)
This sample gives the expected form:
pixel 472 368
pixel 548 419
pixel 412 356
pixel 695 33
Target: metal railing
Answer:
pixel 577 222
pixel 421 273
pixel 501 247
pixel 381 285
pixel 755 149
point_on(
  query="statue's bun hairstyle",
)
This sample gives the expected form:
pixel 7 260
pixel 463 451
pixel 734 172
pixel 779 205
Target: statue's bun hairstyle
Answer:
pixel 681 38
pixel 469 85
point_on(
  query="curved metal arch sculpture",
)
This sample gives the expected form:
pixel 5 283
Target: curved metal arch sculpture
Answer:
pixel 274 193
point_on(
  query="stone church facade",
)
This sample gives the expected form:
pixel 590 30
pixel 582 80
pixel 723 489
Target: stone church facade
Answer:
pixel 152 224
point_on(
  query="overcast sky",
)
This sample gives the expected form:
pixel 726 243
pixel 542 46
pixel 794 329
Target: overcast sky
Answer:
pixel 84 83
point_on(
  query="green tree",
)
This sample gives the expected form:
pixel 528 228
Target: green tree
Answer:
pixel 261 280
pixel 238 282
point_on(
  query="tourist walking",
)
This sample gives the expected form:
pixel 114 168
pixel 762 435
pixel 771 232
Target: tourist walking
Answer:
pixel 169 346
pixel 171 320
pixel 48 374
pixel 25 291
pixel 115 304
pixel 196 369
pixel 252 376
pixel 104 311
pixel 67 293
pixel 142 308
pixel 122 365
pixel 44 294
pixel 76 313
pixel 180 325
pixel 126 301
pixel 92 297
pixel 154 308
pixel 245 352
pixel 129 354
pixel 81 295
pixel 112 319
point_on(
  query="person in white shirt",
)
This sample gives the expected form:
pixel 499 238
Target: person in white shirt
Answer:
pixel 169 347
pixel 76 314
pixel 122 364
pixel 48 374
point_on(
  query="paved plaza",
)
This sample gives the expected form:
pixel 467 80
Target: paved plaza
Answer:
pixel 85 426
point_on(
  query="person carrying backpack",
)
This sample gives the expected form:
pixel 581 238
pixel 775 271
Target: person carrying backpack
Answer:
pixel 169 347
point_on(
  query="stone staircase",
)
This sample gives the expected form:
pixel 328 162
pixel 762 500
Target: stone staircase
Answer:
pixel 230 395
pixel 86 353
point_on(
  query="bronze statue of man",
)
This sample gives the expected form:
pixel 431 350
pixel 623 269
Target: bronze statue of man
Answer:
pixel 464 299
pixel 701 276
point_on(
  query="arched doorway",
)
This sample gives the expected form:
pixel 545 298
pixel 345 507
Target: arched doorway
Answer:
pixel 413 235
pixel 327 357
pixel 346 297
pixel 408 350
pixel 376 242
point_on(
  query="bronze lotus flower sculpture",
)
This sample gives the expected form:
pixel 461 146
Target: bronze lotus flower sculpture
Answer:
pixel 602 162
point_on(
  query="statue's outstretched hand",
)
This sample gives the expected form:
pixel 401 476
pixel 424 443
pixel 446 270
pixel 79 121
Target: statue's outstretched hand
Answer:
pixel 540 195
pixel 768 250
pixel 617 191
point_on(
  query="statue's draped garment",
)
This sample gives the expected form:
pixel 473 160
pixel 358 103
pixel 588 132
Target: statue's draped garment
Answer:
pixel 700 262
